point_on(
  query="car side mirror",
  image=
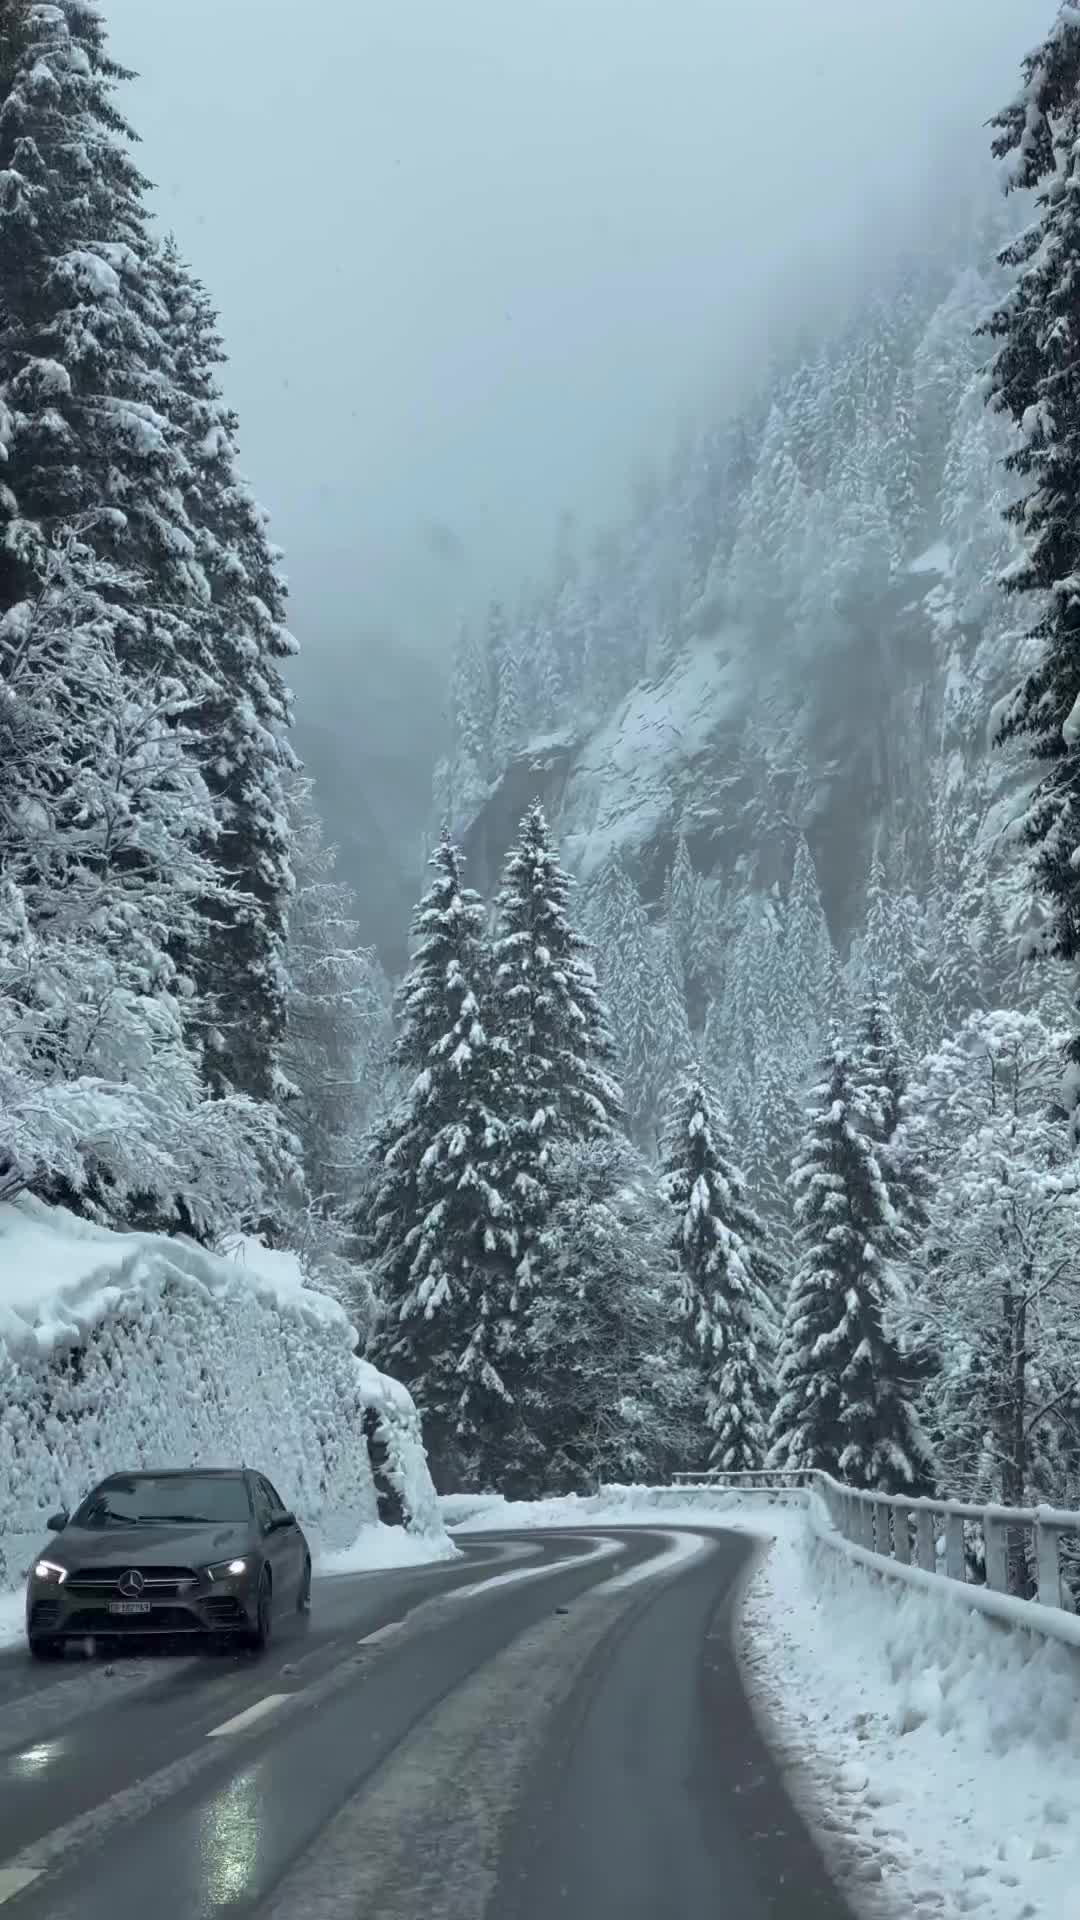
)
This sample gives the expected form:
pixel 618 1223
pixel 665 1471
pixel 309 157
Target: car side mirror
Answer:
pixel 56 1522
pixel 282 1520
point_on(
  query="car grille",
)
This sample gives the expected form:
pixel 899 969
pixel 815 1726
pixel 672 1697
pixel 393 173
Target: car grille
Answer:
pixel 98 1620
pixel 103 1583
pixel 224 1610
pixel 44 1616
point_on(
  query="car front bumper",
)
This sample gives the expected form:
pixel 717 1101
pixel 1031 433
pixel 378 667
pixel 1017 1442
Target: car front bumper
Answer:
pixel 222 1606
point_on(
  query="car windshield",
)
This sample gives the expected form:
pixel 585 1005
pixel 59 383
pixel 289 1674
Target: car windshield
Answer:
pixel 173 1499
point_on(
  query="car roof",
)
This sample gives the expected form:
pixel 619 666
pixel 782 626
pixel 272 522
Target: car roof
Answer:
pixel 180 1473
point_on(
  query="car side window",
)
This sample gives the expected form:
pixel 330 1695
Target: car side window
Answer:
pixel 277 1505
pixel 263 1508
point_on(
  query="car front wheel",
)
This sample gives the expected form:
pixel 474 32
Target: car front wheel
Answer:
pixel 303 1598
pixel 41 1649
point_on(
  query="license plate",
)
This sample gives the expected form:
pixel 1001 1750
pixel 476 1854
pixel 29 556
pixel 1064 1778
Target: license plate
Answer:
pixel 129 1606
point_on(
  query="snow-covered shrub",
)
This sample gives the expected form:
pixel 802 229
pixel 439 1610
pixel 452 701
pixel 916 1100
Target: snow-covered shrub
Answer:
pixel 121 1351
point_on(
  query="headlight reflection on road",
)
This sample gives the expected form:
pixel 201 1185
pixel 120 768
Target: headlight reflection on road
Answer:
pixel 229 1839
pixel 34 1761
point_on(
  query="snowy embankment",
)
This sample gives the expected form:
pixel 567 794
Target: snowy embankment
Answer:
pixel 936 1754
pixel 132 1350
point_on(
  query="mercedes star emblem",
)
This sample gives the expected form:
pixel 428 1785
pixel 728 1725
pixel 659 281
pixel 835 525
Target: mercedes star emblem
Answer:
pixel 132 1583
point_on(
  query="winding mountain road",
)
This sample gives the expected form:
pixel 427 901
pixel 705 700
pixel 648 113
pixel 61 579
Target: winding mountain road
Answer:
pixel 550 1728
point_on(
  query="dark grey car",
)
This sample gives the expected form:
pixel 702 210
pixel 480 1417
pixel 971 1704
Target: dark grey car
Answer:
pixel 198 1551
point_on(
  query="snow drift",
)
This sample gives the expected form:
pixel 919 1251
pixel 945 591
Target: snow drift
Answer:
pixel 133 1350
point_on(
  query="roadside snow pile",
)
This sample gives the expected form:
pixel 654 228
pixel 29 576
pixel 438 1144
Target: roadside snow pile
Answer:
pixel 936 1754
pixel 613 1506
pixel 133 1350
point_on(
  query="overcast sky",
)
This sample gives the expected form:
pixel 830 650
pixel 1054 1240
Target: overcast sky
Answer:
pixel 473 256
pixel 476 258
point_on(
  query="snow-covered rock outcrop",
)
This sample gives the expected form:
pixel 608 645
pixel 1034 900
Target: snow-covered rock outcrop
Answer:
pixel 133 1350
pixel 654 767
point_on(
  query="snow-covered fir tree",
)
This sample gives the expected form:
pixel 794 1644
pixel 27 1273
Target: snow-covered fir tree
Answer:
pixel 844 1396
pixel 609 1390
pixel 729 1280
pixel 93 437
pixel 1033 381
pixel 993 1282
pixel 549 1010
pixel 242 718
pixel 102 811
pixel 446 1235
pixel 336 1057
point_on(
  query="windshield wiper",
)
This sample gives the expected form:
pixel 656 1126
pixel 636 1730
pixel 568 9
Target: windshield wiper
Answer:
pixel 177 1520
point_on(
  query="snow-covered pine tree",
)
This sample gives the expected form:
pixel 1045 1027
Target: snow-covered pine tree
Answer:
pixel 1034 381
pixel 688 928
pixel 92 437
pixel 623 941
pixel 446 1230
pixel 729 1281
pixel 881 1069
pixel 994 1281
pixel 806 954
pixel 507 678
pixel 243 712
pixel 340 1034
pixel 844 1399
pixel 609 1392
pixel 774 1126
pixel 550 1013
pixel 102 813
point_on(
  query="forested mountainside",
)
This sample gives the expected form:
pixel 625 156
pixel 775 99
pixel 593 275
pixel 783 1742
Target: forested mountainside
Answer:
pixel 758 710
pixel 759 714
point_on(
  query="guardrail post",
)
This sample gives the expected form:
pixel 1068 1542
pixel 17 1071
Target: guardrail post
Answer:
pixel 866 1516
pixel 996 1544
pixel 1048 1560
pixel 901 1536
pixel 882 1534
pixel 927 1541
pixel 955 1564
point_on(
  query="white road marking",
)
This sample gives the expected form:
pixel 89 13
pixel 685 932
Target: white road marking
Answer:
pixel 14 1879
pixel 680 1548
pixel 600 1550
pixel 248 1718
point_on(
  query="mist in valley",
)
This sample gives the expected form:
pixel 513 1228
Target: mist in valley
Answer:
pixel 479 267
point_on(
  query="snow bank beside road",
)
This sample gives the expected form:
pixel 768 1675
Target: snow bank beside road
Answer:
pixel 133 1350
pixel 937 1754
pixel 613 1506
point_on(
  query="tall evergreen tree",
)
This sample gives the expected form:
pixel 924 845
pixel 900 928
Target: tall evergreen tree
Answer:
pixel 446 1232
pixel 689 934
pixel 844 1400
pixel 550 1012
pixel 84 373
pixel 807 950
pixel 243 713
pixel 609 1391
pixel 728 1278
pixel 1034 379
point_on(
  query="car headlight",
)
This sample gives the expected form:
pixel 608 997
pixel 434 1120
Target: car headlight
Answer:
pixel 228 1569
pixel 51 1571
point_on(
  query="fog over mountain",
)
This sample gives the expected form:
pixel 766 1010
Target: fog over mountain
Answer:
pixel 477 266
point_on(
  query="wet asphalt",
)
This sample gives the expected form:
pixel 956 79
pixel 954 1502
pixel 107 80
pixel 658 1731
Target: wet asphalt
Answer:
pixel 552 1727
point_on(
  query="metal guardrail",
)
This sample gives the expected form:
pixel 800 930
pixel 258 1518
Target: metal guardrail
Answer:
pixel 1016 1550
